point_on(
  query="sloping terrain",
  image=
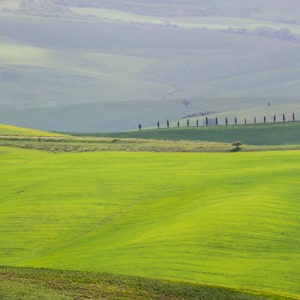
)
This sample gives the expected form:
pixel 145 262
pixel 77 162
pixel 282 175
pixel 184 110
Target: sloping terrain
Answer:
pixel 8 130
pixel 31 284
pixel 259 134
pixel 223 219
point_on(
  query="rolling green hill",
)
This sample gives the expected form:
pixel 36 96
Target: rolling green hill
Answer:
pixel 8 130
pixel 259 134
pixel 222 219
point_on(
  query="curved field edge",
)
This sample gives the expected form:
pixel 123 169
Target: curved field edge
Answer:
pixel 9 130
pixel 255 134
pixel 29 283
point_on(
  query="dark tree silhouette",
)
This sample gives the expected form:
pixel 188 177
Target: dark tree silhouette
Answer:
pixel 245 121
pixel 226 121
pixel 188 123
pixel 236 145
pixel 217 122
pixel 235 121
pixel 158 125
pixel 274 118
pixel 265 119
pixel 254 120
pixel 197 122
pixel 168 124
pixel 178 124
pixel 140 127
pixel 283 117
pixel 206 121
pixel 293 117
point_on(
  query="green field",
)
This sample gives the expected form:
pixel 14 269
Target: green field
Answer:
pixel 260 134
pixel 218 219
pixel 8 130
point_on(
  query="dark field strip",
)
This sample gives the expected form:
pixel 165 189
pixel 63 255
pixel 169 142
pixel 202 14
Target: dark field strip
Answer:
pixel 30 283
pixel 259 134
pixel 77 144
pixel 85 144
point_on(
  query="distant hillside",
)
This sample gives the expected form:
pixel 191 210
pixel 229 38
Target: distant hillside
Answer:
pixel 72 62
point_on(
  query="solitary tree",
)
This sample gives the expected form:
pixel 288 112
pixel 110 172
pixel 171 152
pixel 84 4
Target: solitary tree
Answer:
pixel 140 127
pixel 226 121
pixel 283 117
pixel 235 121
pixel 236 145
pixel 168 124
pixel 178 124
pixel 293 117
pixel 217 122
pixel 188 123
pixel 245 121
pixel 265 119
pixel 158 125
pixel 206 121
pixel 197 122
pixel 274 118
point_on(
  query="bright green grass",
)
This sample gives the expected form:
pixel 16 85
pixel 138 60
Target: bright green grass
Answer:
pixel 221 219
pixel 8 130
pixel 260 134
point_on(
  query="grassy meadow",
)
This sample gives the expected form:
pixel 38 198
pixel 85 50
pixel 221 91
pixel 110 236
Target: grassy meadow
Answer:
pixel 155 215
pixel 31 283
pixel 92 208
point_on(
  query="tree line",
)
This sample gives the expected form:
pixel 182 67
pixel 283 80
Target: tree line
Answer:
pixel 234 121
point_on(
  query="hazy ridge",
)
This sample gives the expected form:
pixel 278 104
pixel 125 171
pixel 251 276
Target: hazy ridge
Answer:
pixel 69 64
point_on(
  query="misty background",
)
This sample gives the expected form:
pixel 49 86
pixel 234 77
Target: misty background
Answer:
pixel 91 65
